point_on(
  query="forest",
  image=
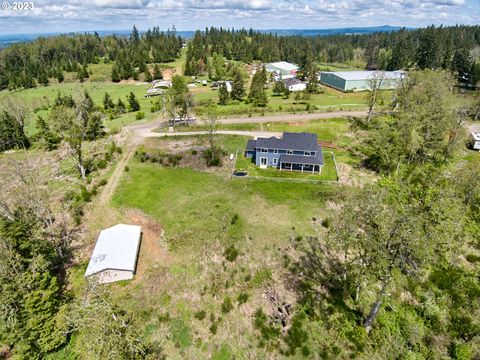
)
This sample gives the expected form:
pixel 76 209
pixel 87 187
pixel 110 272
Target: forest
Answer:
pixel 27 64
pixel 450 48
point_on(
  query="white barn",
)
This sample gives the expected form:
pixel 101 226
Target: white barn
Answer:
pixel 115 254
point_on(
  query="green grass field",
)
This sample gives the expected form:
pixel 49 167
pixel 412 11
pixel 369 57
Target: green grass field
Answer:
pixel 40 98
pixel 330 100
pixel 194 207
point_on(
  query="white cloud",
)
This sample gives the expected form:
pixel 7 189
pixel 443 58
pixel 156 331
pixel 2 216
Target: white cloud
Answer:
pixel 74 15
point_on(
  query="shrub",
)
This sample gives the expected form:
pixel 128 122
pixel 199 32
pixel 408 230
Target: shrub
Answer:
pixel 231 253
pixel 139 115
pixel 194 152
pixel 242 298
pixel 102 182
pixel 85 195
pixel 327 222
pixel 214 328
pixel 268 330
pixel 472 258
pixel 102 164
pixel 227 305
pixel 234 219
pixel 200 315
pixel 127 169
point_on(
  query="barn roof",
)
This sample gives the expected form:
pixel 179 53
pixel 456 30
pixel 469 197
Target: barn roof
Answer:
pixel 116 249
pixel 284 65
pixel 366 75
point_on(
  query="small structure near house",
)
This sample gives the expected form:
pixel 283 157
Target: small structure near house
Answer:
pixel 115 254
pixel 158 88
pixel 294 84
pixel 282 70
pixel 475 140
pixel 216 85
pixel 360 80
pixel 293 151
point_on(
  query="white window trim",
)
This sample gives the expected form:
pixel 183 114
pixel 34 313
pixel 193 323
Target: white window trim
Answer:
pixel 307 153
pixel 264 151
pixel 266 161
pixel 275 151
pixel 274 161
pixel 289 152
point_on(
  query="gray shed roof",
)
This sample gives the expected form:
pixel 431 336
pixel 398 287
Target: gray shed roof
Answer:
pixel 290 141
pixel 292 81
pixel 116 249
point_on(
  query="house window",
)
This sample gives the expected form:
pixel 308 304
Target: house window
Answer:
pixel 275 161
pixel 275 151
pixel 289 152
pixel 264 150
pixel 308 153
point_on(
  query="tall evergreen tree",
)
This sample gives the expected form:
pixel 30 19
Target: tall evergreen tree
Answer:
pixel 133 104
pixel 238 85
pixel 223 94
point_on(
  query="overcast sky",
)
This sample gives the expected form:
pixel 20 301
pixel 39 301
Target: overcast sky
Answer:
pixel 78 15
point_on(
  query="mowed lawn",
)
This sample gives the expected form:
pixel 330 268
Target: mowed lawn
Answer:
pixel 197 208
pixel 40 99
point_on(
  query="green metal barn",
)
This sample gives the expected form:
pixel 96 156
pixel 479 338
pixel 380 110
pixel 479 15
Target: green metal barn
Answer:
pixel 360 80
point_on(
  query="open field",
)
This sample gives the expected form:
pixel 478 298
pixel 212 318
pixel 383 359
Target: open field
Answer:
pixel 41 98
pixel 203 215
pixel 330 100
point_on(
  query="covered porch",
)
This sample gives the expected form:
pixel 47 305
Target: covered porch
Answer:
pixel 300 163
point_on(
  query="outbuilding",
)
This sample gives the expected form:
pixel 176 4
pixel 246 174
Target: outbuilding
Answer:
pixel 475 140
pixel 282 69
pixel 294 84
pixel 115 254
pixel 361 80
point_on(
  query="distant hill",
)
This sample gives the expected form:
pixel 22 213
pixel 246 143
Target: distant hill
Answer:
pixel 7 40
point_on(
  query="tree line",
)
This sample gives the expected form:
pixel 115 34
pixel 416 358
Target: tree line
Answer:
pixel 25 65
pixel 453 48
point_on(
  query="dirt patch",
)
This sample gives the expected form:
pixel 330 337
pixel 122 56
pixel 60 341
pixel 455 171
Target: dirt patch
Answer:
pixel 168 73
pixel 351 176
pixel 153 248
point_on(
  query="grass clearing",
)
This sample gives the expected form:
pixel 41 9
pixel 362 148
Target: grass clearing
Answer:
pixel 202 215
pixel 328 101
pixel 40 100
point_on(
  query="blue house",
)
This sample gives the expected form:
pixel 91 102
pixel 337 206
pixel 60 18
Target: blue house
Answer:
pixel 293 151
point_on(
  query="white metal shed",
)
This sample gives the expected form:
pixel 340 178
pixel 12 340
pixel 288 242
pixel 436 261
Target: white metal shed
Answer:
pixel 115 254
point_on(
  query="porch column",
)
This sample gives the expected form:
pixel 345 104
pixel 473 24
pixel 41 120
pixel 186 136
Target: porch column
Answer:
pixel 302 168
pixel 281 166
pixel 313 169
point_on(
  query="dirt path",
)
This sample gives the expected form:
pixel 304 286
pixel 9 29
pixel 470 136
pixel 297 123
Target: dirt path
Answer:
pixel 146 129
pixel 150 134
pixel 110 187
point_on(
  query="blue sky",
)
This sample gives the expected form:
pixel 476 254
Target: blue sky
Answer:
pixel 78 15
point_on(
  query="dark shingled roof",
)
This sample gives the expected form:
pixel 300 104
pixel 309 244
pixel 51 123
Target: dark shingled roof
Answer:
pixel 290 141
pixel 291 81
pixel 251 145
pixel 298 159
